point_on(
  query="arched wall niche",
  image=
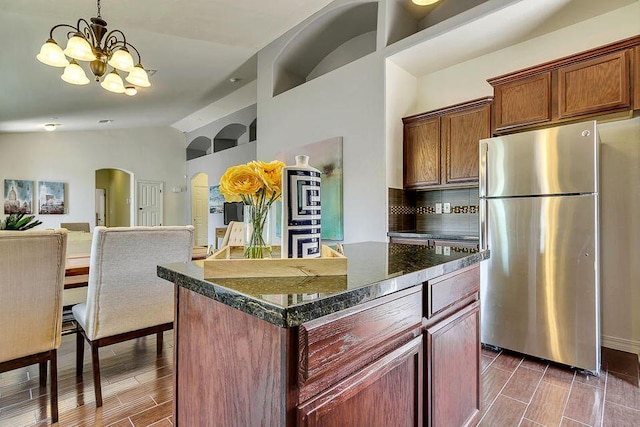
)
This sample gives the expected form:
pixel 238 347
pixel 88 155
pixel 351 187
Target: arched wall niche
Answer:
pixel 200 146
pixel 228 136
pixel 332 40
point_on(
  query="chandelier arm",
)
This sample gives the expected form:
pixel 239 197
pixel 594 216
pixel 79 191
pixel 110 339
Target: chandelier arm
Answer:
pixel 137 53
pixel 113 34
pixel 60 26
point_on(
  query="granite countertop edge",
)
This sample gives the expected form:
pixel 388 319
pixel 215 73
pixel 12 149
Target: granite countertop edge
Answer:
pixel 416 235
pixel 296 315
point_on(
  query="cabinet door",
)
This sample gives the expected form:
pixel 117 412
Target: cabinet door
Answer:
pixel 422 153
pixel 596 85
pixel 523 102
pixel 636 77
pixel 388 392
pixel 461 132
pixel 453 369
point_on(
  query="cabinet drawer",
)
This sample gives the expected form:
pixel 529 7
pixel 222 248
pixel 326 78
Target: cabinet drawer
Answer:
pixel 446 290
pixel 334 346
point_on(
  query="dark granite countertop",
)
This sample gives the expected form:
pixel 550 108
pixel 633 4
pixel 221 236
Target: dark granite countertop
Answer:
pixel 434 236
pixel 374 270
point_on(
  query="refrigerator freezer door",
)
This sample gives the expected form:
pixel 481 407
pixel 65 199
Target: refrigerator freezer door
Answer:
pixel 560 160
pixel 540 288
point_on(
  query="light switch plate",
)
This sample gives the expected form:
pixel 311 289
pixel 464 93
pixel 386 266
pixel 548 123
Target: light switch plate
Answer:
pixel 446 208
pixel 438 208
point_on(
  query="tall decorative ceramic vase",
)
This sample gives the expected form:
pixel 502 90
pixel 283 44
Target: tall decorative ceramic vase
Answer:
pixel 301 210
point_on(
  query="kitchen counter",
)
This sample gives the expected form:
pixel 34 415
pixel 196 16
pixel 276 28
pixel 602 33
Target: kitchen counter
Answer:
pixel 374 270
pixel 398 336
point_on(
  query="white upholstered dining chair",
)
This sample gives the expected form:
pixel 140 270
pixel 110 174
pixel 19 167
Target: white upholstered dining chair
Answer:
pixel 234 235
pixel 126 299
pixel 32 267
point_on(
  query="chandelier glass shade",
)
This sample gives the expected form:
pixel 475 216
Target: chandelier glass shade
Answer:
pixel 93 43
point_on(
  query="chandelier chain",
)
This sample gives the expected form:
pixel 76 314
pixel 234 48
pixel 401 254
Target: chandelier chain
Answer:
pixel 99 16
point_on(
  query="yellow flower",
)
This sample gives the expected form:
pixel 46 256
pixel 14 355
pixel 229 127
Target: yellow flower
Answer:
pixel 240 180
pixel 271 174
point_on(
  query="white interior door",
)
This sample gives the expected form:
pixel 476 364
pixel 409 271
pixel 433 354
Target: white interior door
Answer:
pixel 101 218
pixel 200 209
pixel 150 202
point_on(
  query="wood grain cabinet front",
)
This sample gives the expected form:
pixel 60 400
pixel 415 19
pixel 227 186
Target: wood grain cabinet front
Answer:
pixel 441 146
pixel 388 392
pixel 592 83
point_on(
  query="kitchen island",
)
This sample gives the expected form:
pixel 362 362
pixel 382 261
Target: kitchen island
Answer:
pixel 394 342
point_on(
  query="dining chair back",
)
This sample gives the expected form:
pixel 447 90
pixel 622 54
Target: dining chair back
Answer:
pixel 31 283
pixel 234 235
pixel 126 299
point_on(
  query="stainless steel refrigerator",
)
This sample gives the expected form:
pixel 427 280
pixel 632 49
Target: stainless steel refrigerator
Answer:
pixel 539 217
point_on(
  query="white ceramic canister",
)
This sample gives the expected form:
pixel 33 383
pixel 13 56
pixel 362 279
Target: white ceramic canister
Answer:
pixel 301 210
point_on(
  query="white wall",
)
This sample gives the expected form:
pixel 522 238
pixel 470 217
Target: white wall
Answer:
pixel 401 95
pixel 346 102
pixel 214 165
pixel 155 154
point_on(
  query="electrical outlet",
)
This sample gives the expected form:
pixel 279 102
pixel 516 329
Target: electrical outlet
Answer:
pixel 446 208
pixel 438 208
pixel 438 250
pixel 447 250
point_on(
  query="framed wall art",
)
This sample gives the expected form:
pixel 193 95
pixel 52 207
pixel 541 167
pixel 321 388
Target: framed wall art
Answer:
pixel 51 197
pixel 18 196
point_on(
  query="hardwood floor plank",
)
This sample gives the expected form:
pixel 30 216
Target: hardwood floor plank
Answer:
pixel 592 380
pixel 522 384
pixel 504 412
pixel 568 422
pixel 152 415
pixel 620 416
pixel 623 390
pixel 620 362
pixel 493 380
pixel 559 376
pixel 547 404
pixel 507 361
pixel 535 364
pixel 585 404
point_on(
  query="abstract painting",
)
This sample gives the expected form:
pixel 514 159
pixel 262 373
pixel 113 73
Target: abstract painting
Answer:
pixel 18 196
pixel 50 197
pixel 326 156
pixel 216 199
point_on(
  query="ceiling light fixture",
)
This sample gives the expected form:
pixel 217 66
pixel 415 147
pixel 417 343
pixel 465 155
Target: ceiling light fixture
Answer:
pixel 50 127
pixel 92 43
pixel 425 2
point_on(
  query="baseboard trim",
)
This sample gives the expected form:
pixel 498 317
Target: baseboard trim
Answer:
pixel 621 344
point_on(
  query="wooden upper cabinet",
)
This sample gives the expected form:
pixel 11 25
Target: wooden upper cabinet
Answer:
pixel 596 82
pixel 523 102
pixel 422 153
pixel 441 146
pixel 461 132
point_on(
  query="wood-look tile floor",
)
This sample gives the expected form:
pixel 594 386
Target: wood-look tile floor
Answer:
pixel 137 390
pixel 525 392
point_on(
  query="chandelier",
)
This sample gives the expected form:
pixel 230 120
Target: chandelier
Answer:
pixel 92 43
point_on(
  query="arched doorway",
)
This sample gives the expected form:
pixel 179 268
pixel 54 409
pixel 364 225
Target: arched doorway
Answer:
pixel 200 208
pixel 113 197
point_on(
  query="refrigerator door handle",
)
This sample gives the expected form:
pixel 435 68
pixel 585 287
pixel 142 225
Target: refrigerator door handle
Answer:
pixel 483 181
pixel 483 224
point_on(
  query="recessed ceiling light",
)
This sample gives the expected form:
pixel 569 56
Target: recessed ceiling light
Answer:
pixel 105 121
pixel 234 79
pixel 424 2
pixel 50 127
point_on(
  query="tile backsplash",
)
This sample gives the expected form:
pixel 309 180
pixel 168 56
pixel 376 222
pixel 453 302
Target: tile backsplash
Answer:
pixel 416 211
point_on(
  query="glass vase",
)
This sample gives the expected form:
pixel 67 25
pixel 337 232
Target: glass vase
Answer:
pixel 257 236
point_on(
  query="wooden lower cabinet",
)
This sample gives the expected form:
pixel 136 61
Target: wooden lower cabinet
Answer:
pixel 452 360
pixel 380 363
pixel 386 393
